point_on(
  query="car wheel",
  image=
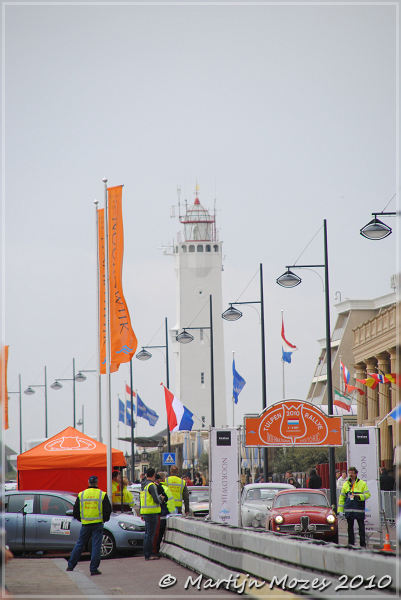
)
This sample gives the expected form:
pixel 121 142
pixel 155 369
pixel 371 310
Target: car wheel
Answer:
pixel 108 549
pixel 108 545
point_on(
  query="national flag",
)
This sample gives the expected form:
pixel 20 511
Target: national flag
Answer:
pixel 346 375
pixel 391 378
pixel 121 411
pixel 342 401
pixel 396 413
pixel 128 395
pixel 238 383
pixel 147 413
pixel 370 382
pixel 128 416
pixel 178 416
pixel 287 348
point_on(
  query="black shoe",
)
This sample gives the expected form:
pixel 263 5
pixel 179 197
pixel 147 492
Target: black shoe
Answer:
pixel 152 557
pixel 70 568
pixel 97 572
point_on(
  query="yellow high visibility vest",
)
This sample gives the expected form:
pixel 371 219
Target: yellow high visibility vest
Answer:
pixel 148 505
pixel 170 498
pixel 360 489
pixel 176 485
pixel 91 506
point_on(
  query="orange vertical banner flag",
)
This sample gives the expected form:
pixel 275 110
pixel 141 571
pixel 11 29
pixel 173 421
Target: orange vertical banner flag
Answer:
pixel 102 295
pixel 4 390
pixel 123 342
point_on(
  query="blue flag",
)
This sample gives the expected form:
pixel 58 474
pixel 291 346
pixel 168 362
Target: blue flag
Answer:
pixel 238 383
pixel 147 413
pixel 121 410
pixel 128 416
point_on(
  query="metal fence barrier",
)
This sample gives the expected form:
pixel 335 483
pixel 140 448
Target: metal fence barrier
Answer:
pixel 388 503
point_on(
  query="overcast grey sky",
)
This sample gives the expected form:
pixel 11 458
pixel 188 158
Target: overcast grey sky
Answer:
pixel 285 114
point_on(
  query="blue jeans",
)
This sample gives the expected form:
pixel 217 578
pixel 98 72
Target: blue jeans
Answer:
pixel 96 531
pixel 151 522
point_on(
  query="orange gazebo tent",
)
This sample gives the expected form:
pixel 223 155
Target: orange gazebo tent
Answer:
pixel 65 462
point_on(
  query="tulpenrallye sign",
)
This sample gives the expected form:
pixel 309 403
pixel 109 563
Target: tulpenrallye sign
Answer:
pixel 293 423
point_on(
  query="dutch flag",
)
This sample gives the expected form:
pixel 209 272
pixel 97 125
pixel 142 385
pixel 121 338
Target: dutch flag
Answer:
pixel 288 348
pixel 178 416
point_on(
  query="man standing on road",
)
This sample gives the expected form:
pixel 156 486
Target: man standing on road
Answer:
pixel 150 512
pixel 352 503
pixel 92 507
pixel 179 490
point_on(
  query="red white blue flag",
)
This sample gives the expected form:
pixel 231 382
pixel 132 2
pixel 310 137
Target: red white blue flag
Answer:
pixel 288 348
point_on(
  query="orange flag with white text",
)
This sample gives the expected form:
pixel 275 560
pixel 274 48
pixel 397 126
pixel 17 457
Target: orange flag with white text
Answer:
pixel 3 384
pixel 102 295
pixel 123 342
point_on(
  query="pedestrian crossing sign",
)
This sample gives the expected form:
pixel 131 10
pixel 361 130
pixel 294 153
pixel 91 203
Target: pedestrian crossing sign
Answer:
pixel 169 458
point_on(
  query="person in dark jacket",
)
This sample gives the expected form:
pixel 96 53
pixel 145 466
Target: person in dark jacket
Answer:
pixel 92 507
pixel 314 481
pixel 387 481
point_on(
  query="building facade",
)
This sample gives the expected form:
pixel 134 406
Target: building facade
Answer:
pixel 198 268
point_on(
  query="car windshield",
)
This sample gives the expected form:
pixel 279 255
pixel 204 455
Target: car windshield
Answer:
pixel 299 499
pixel 260 494
pixel 199 496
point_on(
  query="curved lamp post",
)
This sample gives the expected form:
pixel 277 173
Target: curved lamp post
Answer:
pixel 290 280
pixel 185 338
pixel 145 355
pixel 233 314
pixel 376 229
pixel 29 391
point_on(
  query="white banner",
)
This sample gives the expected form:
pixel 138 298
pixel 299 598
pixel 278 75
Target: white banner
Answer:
pixel 363 455
pixel 224 476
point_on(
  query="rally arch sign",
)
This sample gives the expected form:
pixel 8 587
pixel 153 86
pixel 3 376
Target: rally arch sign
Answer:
pixel 293 423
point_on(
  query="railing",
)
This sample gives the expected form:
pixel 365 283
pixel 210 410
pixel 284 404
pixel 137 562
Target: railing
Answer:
pixel 388 504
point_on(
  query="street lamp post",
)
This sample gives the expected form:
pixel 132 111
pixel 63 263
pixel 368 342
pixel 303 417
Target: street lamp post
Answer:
pixel 289 280
pixel 376 229
pixel 79 377
pixel 232 314
pixel 29 391
pixel 160 447
pixel 144 355
pixel 186 338
pixel 20 413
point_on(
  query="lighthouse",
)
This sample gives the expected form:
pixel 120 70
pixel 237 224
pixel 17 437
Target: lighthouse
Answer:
pixel 198 267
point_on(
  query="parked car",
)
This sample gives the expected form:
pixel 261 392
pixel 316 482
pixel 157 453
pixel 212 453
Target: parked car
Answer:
pixel 303 512
pixel 256 498
pixel 48 524
pixel 10 485
pixel 198 501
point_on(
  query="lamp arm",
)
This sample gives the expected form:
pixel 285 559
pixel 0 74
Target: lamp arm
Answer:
pixel 307 267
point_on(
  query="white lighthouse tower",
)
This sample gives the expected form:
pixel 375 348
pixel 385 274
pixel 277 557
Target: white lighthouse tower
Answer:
pixel 198 267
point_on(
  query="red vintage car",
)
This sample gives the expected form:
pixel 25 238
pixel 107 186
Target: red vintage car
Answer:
pixel 303 512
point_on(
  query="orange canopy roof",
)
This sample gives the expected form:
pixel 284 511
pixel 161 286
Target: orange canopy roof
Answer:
pixel 69 449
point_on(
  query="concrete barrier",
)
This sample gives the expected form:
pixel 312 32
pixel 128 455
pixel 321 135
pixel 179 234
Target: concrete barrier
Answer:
pixel 216 551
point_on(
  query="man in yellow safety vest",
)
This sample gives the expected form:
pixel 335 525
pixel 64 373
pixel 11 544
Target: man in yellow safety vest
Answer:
pixel 352 503
pixel 150 512
pixel 92 508
pixel 179 490
pixel 167 507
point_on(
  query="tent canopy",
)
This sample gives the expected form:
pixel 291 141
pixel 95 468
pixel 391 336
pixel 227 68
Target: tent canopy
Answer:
pixel 65 462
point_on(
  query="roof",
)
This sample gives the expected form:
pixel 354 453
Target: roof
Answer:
pixel 69 449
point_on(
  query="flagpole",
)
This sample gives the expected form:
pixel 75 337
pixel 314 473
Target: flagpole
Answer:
pixel 99 386
pixel 132 425
pixel 108 386
pixel 282 319
pixel 233 394
pixel 118 422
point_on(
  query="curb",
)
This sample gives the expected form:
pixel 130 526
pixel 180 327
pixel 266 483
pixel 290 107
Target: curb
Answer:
pixel 85 584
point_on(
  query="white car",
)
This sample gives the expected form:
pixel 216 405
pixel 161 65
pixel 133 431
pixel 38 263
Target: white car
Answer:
pixel 256 498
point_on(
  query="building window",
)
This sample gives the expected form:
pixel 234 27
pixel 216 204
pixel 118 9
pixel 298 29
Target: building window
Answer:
pixel 208 248
pixel 203 421
pixel 184 248
pixel 202 379
pixel 199 248
pixel 216 248
pixel 192 248
pixel 201 335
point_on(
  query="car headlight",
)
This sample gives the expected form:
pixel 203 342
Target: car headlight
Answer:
pixel 255 523
pixel 278 519
pixel 330 518
pixel 259 516
pixel 128 526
